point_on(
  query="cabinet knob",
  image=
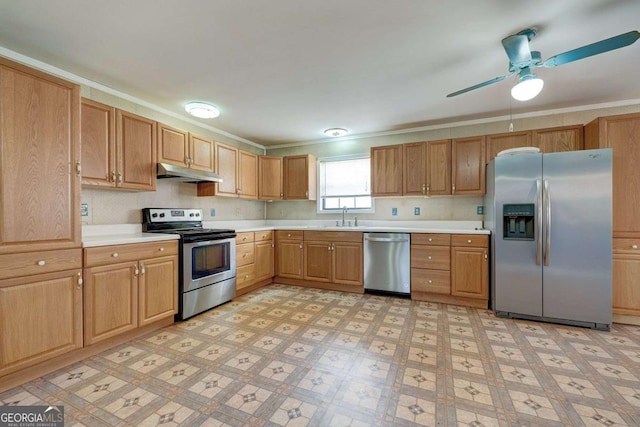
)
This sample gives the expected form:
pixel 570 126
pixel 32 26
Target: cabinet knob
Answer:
pixel 41 262
pixel 430 281
pixel 161 249
pixel 430 239
pixel 634 246
pixel 429 257
pixel 469 241
pixel 80 281
pixel 288 234
pixel 114 255
pixel 142 269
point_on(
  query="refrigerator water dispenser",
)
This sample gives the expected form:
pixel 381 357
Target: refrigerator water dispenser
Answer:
pixel 518 221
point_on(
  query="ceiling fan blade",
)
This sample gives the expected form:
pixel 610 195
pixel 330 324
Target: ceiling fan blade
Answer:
pixel 596 48
pixel 479 85
pixel 517 48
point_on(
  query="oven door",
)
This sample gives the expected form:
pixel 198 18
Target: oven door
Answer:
pixel 208 262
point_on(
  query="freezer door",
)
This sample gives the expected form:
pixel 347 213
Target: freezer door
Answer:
pixel 516 278
pixel 577 246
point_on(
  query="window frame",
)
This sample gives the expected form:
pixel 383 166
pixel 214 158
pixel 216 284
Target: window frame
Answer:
pixel 320 197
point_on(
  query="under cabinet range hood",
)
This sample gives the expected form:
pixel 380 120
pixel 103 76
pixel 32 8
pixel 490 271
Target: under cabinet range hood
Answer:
pixel 183 174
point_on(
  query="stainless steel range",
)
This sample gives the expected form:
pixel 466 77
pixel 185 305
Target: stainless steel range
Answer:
pixel 207 258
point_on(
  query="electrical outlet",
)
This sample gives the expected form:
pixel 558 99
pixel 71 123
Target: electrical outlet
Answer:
pixel 480 210
pixel 416 211
pixel 237 211
pixel 213 212
pixel 84 209
pixel 281 212
pixel 394 211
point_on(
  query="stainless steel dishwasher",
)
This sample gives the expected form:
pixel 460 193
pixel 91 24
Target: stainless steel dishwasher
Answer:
pixel 387 263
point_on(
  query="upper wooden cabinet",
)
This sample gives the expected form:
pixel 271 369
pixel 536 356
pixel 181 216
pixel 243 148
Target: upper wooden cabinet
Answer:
pixel 621 134
pixel 386 171
pixel 39 160
pixel 427 168
pixel 182 148
pixel 270 178
pixel 238 170
pixel 300 177
pixel 135 152
pixel 504 141
pixel 468 166
pixel 98 144
pixel 565 138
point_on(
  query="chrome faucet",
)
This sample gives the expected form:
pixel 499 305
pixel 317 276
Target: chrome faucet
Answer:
pixel 344 212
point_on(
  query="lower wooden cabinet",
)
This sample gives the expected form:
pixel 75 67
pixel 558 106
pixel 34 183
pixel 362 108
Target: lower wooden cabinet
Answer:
pixel 128 286
pixel 40 318
pixel 289 254
pixel 335 259
pixel 255 260
pixel 626 277
pixel 451 269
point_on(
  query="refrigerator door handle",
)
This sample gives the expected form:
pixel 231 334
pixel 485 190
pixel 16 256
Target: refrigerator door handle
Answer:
pixel 538 222
pixel 547 229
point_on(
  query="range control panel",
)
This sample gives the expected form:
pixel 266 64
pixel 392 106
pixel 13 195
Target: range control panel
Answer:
pixel 170 215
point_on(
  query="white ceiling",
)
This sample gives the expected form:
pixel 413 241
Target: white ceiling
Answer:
pixel 282 71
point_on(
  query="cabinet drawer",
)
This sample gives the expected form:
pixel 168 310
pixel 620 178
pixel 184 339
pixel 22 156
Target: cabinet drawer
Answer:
pixel 261 236
pixel 245 276
pixel 628 246
pixel 245 254
pixel 431 257
pixel 333 236
pixel 475 240
pixel 103 255
pixel 433 281
pixel 245 237
pixel 430 239
pixel 289 235
pixel 30 263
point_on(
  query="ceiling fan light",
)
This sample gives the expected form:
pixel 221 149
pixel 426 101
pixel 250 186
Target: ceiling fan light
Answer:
pixel 527 88
pixel 336 132
pixel 202 110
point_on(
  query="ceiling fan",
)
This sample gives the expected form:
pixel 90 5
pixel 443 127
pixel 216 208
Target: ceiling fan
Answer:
pixel 522 61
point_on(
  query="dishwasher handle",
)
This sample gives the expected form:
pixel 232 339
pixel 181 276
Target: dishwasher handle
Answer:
pixel 386 239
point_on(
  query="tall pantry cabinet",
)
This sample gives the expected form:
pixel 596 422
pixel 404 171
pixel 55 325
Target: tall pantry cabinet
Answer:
pixel 622 134
pixel 40 254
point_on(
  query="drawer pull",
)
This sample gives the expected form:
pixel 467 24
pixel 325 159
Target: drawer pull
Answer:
pixel 115 254
pixel 429 257
pixel 430 239
pixel 288 234
pixel 161 249
pixel 469 241
pixel 41 262
pixel 430 281
pixel 634 246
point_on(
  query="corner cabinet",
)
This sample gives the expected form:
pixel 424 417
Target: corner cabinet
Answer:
pixel 128 286
pixel 39 160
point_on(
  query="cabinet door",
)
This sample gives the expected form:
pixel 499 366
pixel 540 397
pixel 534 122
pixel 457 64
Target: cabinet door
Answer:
pixel 414 179
pixel 290 259
pixel 226 160
pixel 135 151
pixel 386 171
pixel 110 301
pixel 201 153
pixel 40 318
pixel 173 145
pixel 39 157
pixel 468 166
pixel 158 289
pixel 317 261
pixel 438 167
pixel 469 272
pixel 98 144
pixel 504 141
pixel 347 263
pixel 300 177
pixel 247 175
pixel 270 178
pixel 264 267
pixel 566 138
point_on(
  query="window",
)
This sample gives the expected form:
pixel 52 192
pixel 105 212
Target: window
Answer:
pixel 345 182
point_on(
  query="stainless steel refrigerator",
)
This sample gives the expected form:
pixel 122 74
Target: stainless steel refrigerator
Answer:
pixel 550 221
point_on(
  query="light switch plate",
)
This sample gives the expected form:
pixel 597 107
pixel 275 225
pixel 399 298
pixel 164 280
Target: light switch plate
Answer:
pixel 213 212
pixel 480 210
pixel 394 211
pixel 416 211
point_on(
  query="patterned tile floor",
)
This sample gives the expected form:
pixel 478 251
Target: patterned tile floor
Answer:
pixel 289 356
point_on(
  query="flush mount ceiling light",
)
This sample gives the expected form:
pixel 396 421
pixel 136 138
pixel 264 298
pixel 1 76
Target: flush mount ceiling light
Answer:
pixel 202 110
pixel 528 87
pixel 335 132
